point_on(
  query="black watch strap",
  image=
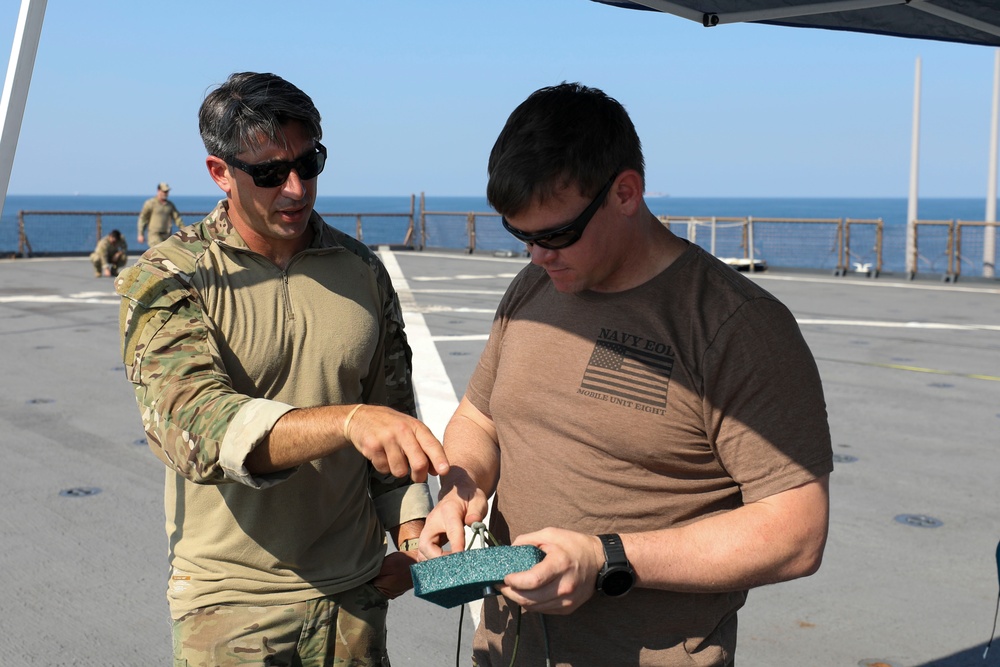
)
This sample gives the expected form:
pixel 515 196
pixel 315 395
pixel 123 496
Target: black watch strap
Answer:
pixel 614 550
pixel 616 578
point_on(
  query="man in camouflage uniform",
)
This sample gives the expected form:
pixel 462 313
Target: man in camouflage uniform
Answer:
pixel 273 377
pixel 110 255
pixel 158 215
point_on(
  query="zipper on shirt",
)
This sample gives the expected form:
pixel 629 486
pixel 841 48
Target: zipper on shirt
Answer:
pixel 289 313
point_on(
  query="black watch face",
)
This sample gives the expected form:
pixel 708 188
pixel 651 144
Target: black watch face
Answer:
pixel 616 582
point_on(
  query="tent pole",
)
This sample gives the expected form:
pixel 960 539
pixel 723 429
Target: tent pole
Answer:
pixel 911 210
pixel 15 87
pixel 990 232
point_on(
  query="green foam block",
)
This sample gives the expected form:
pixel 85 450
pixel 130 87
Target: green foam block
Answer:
pixel 470 575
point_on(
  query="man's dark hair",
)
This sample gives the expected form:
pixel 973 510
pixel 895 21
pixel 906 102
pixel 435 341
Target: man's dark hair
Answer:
pixel 561 136
pixel 115 234
pixel 251 109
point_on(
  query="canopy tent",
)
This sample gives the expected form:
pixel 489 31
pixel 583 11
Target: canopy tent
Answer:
pixel 965 21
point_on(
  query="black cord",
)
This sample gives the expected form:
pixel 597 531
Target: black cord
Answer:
pixel 458 646
pixel 994 628
pixel 545 639
pixel 517 638
pixel 997 612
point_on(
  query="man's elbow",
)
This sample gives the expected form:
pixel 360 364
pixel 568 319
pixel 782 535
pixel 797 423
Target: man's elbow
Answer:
pixel 811 562
pixel 809 555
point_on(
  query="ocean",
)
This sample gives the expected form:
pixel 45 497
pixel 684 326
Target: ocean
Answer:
pixel 796 246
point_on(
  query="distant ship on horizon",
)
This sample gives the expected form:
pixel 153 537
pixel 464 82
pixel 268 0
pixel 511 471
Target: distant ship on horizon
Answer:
pixel 656 194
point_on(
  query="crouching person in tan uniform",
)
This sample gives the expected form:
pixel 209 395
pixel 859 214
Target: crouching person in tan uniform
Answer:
pixel 110 255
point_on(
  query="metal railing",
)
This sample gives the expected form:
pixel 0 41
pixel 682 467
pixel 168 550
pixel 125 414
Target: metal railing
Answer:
pixel 950 246
pixel 970 238
pixel 842 245
pixel 812 243
pixel 65 233
pixel 867 258
pixel 933 246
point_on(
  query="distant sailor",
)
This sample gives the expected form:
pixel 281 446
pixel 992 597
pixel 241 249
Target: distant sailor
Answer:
pixel 110 255
pixel 159 215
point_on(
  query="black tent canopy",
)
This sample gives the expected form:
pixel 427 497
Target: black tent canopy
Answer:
pixel 964 21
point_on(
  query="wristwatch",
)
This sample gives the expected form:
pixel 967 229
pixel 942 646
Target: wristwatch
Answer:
pixel 617 576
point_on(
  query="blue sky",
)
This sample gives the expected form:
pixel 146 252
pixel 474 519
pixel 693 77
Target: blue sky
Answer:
pixel 413 95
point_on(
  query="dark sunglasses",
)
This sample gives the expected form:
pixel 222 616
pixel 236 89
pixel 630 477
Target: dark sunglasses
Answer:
pixel 565 235
pixel 275 173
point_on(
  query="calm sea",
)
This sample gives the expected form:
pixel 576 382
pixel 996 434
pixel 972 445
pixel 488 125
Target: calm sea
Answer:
pixel 76 233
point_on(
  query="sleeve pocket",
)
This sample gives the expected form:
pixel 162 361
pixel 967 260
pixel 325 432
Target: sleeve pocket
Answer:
pixel 148 301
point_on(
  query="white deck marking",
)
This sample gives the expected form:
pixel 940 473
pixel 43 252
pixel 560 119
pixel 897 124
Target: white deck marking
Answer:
pixel 491 292
pixel 899 325
pixel 876 283
pixel 436 399
pixel 85 297
pixel 462 276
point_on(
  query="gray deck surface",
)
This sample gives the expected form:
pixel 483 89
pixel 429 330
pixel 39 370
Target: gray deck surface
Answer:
pixel 911 372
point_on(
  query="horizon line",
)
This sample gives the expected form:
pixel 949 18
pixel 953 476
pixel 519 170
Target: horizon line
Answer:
pixel 483 196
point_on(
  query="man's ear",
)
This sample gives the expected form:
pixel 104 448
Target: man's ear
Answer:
pixel 219 171
pixel 627 192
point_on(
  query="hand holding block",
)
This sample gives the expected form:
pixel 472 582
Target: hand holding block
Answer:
pixel 470 575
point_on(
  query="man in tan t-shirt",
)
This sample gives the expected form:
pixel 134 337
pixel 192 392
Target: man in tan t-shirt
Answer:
pixel 648 417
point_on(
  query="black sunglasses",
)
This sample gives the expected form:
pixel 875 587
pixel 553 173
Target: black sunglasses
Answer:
pixel 565 235
pixel 275 173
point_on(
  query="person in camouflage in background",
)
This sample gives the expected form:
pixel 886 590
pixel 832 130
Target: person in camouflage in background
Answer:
pixel 110 255
pixel 158 215
pixel 273 378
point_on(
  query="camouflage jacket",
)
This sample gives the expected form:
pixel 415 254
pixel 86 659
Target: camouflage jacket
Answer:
pixel 219 343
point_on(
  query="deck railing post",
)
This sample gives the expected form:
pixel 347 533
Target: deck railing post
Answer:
pixel 957 268
pixel 842 232
pixel 845 254
pixel 950 250
pixel 423 223
pixel 23 242
pixel 20 234
pixel 408 239
pixel 878 247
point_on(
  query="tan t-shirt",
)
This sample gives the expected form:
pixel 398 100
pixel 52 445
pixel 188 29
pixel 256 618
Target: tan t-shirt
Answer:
pixel 679 399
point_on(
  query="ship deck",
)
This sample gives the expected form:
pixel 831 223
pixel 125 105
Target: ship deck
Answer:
pixel 911 371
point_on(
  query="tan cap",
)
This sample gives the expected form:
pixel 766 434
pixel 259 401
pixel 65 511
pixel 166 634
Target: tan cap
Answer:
pixel 164 187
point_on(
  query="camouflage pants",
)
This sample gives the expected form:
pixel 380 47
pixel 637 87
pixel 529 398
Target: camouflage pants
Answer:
pixel 347 629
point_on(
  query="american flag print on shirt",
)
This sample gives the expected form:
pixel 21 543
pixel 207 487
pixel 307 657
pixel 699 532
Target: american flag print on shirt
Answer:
pixel 639 373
